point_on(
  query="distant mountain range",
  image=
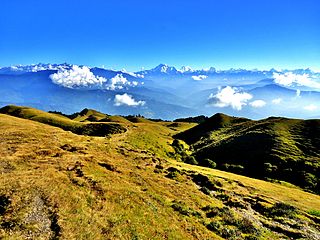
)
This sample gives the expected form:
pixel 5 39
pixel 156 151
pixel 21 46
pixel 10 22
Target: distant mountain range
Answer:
pixel 164 91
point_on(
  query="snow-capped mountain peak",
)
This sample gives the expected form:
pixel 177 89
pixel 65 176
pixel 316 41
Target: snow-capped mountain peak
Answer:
pixel 36 67
pixel 164 68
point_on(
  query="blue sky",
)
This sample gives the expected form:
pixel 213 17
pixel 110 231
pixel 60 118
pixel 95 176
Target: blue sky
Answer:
pixel 143 33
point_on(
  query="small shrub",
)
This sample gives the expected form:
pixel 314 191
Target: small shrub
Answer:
pixel 247 226
pixel 223 197
pixel 236 168
pixel 282 210
pixel 214 226
pixel 212 211
pixel 314 212
pixel 190 160
pixel 232 168
pixel 173 173
pixel 251 237
pixel 231 202
pixel 208 163
pixel 228 217
pixel 230 233
pixel 225 166
pixel 184 210
pixel 4 203
pixel 269 169
pixel 178 146
pixel 205 190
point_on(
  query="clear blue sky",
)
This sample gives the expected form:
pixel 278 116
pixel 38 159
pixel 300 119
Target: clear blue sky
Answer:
pixel 143 33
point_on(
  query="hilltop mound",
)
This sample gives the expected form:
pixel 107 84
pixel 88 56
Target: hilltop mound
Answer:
pixel 138 119
pixel 91 115
pixel 277 148
pixel 213 123
pixel 91 129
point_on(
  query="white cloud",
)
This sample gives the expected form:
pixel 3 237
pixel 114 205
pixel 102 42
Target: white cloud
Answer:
pixel 277 100
pixel 126 99
pixel 230 96
pixel 119 82
pixel 199 77
pixel 76 77
pixel 289 79
pixel 311 107
pixel 298 92
pixel 258 103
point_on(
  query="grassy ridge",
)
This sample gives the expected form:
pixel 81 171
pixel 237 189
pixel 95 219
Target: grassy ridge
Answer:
pixel 275 148
pixel 90 115
pixel 91 129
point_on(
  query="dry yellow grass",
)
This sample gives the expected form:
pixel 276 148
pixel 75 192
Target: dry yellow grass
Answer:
pixel 89 201
pixel 68 186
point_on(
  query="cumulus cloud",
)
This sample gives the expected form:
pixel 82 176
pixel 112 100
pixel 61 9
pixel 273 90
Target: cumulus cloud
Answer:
pixel 277 100
pixel 76 77
pixel 230 96
pixel 258 103
pixel 289 79
pixel 127 100
pixel 119 82
pixel 311 107
pixel 199 77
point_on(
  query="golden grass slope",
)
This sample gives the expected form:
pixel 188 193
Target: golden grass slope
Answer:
pixel 59 185
pixel 83 128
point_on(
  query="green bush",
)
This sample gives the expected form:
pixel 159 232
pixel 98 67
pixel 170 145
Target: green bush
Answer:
pixel 190 160
pixel 314 212
pixel 183 209
pixel 178 147
pixel 247 226
pixel 173 173
pixel 214 226
pixel 208 163
pixel 282 210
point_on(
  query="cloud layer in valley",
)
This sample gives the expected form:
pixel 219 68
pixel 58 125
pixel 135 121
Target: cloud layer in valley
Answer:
pixel 289 79
pixel 127 100
pixel 277 100
pixel 311 107
pixel 258 103
pixel 230 97
pixel 199 77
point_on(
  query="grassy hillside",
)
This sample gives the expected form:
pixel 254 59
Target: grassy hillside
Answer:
pixel 275 148
pixel 57 120
pixel 59 185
